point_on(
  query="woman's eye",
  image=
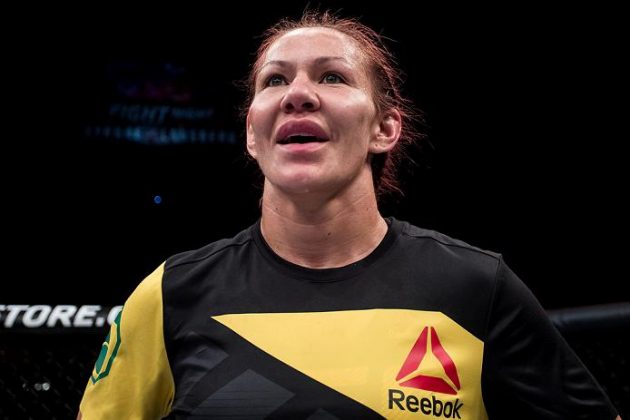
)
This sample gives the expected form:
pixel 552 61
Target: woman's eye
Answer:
pixel 332 78
pixel 275 80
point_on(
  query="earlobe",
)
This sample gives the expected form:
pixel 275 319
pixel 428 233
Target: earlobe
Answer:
pixel 388 132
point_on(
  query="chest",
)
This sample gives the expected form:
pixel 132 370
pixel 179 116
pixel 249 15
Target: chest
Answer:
pixel 371 363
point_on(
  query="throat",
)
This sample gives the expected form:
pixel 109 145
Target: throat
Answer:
pixel 330 244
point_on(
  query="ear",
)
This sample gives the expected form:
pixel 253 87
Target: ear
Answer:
pixel 387 132
pixel 251 139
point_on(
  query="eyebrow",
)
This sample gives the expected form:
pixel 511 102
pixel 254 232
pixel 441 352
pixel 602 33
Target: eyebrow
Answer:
pixel 318 61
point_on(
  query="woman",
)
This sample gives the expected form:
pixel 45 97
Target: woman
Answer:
pixel 324 309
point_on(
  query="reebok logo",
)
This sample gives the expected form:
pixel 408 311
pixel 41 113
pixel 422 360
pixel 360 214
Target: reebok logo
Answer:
pixel 433 406
pixel 410 373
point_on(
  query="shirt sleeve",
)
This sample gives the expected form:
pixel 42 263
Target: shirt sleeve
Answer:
pixel 132 378
pixel 529 371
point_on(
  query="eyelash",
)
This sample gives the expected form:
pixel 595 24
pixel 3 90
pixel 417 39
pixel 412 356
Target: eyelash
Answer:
pixel 338 76
pixel 278 76
pixel 272 77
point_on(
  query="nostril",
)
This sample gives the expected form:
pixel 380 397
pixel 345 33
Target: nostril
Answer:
pixel 298 101
pixel 304 106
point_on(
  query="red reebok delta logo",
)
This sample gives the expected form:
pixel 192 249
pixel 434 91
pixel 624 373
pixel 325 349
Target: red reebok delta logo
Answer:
pixel 414 359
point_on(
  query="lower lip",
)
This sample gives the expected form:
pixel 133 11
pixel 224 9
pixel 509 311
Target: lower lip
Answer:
pixel 302 147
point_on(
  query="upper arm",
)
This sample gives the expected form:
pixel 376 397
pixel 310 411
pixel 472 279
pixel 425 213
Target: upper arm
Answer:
pixel 132 377
pixel 529 370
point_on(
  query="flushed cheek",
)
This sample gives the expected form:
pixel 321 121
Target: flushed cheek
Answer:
pixel 356 114
pixel 265 104
pixel 357 134
pixel 259 128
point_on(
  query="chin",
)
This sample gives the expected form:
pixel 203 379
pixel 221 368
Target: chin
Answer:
pixel 300 183
pixel 301 187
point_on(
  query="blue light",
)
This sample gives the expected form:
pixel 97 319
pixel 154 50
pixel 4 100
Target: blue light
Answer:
pixel 157 199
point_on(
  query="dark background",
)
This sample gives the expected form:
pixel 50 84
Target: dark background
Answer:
pixel 524 122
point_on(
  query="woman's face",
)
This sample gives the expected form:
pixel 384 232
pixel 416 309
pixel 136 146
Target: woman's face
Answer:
pixel 312 121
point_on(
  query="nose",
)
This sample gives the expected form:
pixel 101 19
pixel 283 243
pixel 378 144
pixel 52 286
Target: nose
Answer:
pixel 300 96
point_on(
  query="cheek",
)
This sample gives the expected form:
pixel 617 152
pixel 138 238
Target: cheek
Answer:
pixel 260 121
pixel 253 117
pixel 358 119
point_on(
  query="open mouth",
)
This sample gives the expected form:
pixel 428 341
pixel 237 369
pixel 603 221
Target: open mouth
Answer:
pixel 301 139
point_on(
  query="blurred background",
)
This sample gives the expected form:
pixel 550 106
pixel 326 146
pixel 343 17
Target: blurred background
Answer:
pixel 123 145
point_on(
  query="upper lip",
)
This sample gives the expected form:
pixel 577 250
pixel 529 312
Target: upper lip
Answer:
pixel 300 128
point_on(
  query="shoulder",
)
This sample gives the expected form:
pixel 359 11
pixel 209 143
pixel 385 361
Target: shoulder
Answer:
pixel 211 251
pixel 192 272
pixel 148 294
pixel 445 251
pixel 439 240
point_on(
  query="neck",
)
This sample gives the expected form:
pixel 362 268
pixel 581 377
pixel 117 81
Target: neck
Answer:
pixel 322 233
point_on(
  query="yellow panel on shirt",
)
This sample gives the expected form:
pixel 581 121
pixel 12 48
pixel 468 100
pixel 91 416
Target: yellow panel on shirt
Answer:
pixel 132 378
pixel 400 363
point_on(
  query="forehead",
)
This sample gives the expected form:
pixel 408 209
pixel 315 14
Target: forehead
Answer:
pixel 305 43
